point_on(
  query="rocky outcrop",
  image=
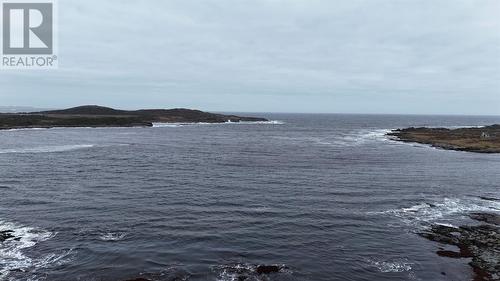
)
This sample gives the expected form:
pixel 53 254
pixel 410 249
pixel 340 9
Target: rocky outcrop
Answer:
pixel 268 269
pixel 477 139
pixel 245 272
pixel 6 234
pixel 98 116
pixel 239 272
pixel 486 217
pixel 479 242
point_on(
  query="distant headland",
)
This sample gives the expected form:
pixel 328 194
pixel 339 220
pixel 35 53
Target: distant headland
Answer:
pixel 476 139
pixel 99 116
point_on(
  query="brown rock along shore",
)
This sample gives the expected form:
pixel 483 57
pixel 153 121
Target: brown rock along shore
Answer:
pixel 480 243
pixel 476 139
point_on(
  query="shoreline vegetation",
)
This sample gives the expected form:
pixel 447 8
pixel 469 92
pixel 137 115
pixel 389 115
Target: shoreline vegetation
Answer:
pixel 99 116
pixel 475 139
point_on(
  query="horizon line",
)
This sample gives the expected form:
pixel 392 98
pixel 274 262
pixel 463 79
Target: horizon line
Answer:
pixel 254 112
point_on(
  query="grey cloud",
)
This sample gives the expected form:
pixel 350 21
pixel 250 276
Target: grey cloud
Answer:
pixel 382 56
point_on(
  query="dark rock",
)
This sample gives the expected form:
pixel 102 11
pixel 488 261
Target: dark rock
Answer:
pixel 481 243
pixel 267 269
pixel 486 217
pixel 6 234
pixel 245 272
pixel 489 198
pixel 449 254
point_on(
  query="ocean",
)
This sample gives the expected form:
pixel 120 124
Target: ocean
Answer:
pixel 321 197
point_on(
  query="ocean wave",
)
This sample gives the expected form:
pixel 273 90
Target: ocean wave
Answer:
pixel 112 236
pixel 350 139
pixel 364 136
pixel 13 257
pixel 397 265
pixel 238 272
pixel 176 125
pixel 169 125
pixel 23 129
pixel 45 149
pixel 431 212
pixel 270 122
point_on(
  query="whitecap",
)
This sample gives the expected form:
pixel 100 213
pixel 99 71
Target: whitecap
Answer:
pixel 12 255
pixel 237 271
pixel 112 236
pixel 177 125
pixel 423 213
pixel 270 122
pixel 234 272
pixel 45 149
pixel 364 136
pixel 23 129
pixel 167 125
pixel 348 139
pixel 397 265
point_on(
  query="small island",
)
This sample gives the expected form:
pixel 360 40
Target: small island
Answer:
pixel 476 139
pixel 99 116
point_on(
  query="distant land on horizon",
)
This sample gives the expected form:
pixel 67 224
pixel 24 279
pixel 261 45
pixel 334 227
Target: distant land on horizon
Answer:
pixel 31 109
pixel 100 116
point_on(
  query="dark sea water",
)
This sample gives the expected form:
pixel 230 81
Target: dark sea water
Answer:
pixel 328 197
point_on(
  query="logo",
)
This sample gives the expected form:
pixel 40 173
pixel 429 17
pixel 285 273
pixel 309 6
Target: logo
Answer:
pixel 28 35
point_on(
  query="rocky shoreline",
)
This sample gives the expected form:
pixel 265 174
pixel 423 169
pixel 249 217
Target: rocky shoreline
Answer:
pixel 98 116
pixel 477 139
pixel 480 242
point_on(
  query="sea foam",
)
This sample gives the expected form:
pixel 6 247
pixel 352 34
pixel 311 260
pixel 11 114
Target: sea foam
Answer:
pixel 12 251
pixel 423 213
pixel 176 125
pixel 45 149
pixel 112 236
pixel 397 265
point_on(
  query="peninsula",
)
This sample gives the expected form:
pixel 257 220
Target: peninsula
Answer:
pixel 476 139
pixel 99 116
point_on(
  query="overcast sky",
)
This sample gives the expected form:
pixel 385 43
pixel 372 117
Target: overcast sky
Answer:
pixel 349 56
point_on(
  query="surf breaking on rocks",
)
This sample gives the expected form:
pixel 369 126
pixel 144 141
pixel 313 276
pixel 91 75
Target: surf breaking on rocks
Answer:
pixel 15 240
